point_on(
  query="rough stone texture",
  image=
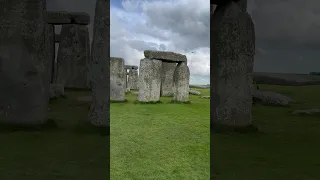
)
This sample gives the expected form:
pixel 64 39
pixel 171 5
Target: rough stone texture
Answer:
pixel 64 17
pixel 167 78
pixel 99 66
pixel 306 112
pixel 73 56
pixel 270 98
pixel 242 4
pixel 117 79
pixel 51 50
pixel 232 57
pixel 125 76
pixel 56 90
pixel 165 56
pixel 194 92
pixel 23 58
pixel 149 80
pixel 130 67
pixel 181 79
pixel 133 79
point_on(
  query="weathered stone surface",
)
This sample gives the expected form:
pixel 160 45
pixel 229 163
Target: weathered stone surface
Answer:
pixel 56 90
pixel 270 98
pixel 232 57
pixel 117 79
pixel 242 4
pixel 73 56
pixel 181 79
pixel 149 80
pixel 165 56
pixel 125 76
pixel 99 66
pixel 64 17
pixel 130 67
pixel 23 58
pixel 194 92
pixel 133 79
pixel 167 78
pixel 51 51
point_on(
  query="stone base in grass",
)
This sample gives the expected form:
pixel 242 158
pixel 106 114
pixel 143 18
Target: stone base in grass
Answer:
pixel 124 101
pixel 151 102
pixel 180 102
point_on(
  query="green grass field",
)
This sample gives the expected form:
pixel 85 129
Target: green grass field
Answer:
pixel 288 148
pixel 167 141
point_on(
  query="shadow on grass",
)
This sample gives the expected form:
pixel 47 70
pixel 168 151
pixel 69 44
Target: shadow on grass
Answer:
pixel 223 129
pixel 49 125
pixel 124 101
pixel 179 102
pixel 84 127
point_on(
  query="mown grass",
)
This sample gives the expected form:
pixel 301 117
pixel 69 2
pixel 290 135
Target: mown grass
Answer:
pixel 57 153
pixel 160 141
pixel 287 148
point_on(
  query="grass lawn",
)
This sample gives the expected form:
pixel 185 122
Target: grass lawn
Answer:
pixel 63 153
pixel 160 141
pixel 288 148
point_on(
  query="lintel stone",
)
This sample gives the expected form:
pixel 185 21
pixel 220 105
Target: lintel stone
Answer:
pixel 165 56
pixel 130 67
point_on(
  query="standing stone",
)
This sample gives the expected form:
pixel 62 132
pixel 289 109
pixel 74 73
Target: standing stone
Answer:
pixel 117 79
pixel 51 50
pixel 133 79
pixel 149 80
pixel 23 93
pixel 232 59
pixel 99 76
pixel 167 78
pixel 181 79
pixel 125 76
pixel 73 56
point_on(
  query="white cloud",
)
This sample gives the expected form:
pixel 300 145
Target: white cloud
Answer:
pixel 180 26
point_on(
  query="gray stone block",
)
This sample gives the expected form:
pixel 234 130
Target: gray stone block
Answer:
pixel 165 56
pixel 64 17
pixel 232 59
pixel 149 80
pixel 23 59
pixel 99 76
pixel 167 78
pixel 133 79
pixel 117 79
pixel 181 79
pixel 73 56
pixel 130 67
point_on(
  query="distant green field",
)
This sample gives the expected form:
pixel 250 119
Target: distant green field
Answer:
pixel 288 148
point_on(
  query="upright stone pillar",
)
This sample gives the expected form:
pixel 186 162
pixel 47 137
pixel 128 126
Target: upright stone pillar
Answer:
pixel 117 79
pixel 99 76
pixel 73 56
pixel 149 80
pixel 133 79
pixel 232 60
pixel 167 78
pixel 181 79
pixel 23 62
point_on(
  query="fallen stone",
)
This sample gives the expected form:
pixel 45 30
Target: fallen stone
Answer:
pixel 56 90
pixel 194 92
pixel 165 56
pixel 73 56
pixel 117 79
pixel 64 17
pixel 271 98
pixel 99 74
pixel 167 78
pixel 149 80
pixel 133 79
pixel 181 79
pixel 232 59
pixel 23 60
pixel 306 112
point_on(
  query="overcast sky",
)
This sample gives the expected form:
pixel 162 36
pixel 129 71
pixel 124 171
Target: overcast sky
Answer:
pixel 287 32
